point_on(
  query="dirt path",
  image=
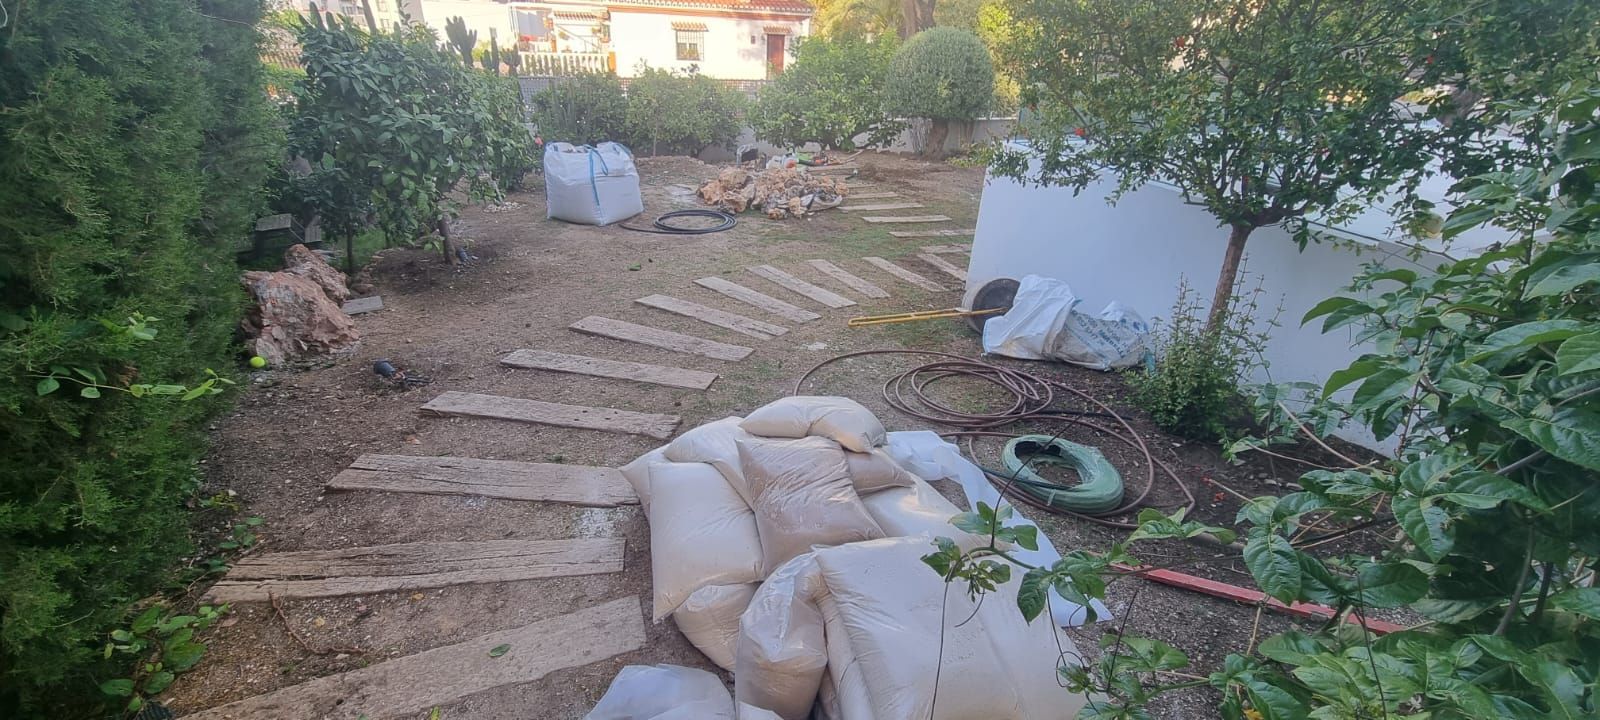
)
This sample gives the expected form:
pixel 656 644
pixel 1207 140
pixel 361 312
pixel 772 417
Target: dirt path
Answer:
pixel 293 431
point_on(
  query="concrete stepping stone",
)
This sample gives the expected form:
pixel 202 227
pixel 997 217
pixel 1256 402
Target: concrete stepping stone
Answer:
pixel 796 285
pixel 499 407
pixel 362 305
pixel 907 219
pixel 502 479
pixel 410 686
pixel 731 321
pixel 656 337
pixel 847 279
pixel 757 299
pixel 905 274
pixel 615 369
pixel 411 566
pixel 944 266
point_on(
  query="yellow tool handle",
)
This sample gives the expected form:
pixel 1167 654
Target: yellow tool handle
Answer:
pixel 919 315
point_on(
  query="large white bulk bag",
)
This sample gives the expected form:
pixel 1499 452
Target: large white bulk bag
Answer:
pixel 802 496
pixel 590 185
pixel 701 533
pixel 710 619
pixel 840 419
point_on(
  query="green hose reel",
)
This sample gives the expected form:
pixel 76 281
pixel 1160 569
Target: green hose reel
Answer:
pixel 1099 492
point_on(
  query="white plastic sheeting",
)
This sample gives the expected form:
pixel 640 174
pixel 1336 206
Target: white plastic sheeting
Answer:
pixel 663 692
pixel 591 185
pixel 1042 324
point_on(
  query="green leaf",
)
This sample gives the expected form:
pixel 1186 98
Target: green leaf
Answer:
pixel 1482 490
pixel 1033 594
pixel 1465 219
pixel 1328 306
pixel 1528 333
pixel 47 385
pixel 157 682
pixel 1562 276
pixel 1290 648
pixel 1272 561
pixel 1383 386
pixel 1388 585
pixel 183 656
pixel 1572 434
pixel 1357 370
pixel 499 650
pixel 1581 600
pixel 89 391
pixel 1424 524
pixel 1580 353
pixel 146 620
pixel 120 687
pixel 1561 688
pixel 1027 536
pixel 1273 702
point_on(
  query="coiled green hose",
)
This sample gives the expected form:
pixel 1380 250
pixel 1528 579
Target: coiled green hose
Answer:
pixel 1100 490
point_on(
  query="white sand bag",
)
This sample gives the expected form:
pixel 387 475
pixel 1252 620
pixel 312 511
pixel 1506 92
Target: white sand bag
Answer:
pixel 663 692
pixel 919 510
pixel 710 619
pixel 874 471
pixel 751 712
pixel 591 185
pixel 840 419
pixel 850 700
pixel 782 650
pixel 637 474
pixel 715 443
pixel 895 611
pixel 802 497
pixel 701 533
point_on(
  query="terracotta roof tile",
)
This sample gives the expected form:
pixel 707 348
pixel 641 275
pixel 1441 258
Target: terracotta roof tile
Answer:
pixel 785 6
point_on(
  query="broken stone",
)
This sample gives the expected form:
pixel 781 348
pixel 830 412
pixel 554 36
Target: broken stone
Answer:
pixel 780 192
pixel 294 317
pixel 300 260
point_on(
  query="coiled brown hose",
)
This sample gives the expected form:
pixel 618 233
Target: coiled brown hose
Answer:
pixel 1031 398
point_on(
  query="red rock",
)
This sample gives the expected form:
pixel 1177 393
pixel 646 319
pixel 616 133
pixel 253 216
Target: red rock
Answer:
pixel 301 260
pixel 295 317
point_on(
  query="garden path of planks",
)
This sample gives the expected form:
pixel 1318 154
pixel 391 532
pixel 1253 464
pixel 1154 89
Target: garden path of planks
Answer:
pixel 947 249
pixel 905 274
pixel 882 206
pixel 848 280
pixel 801 287
pixel 503 479
pixel 411 566
pixel 664 339
pixel 413 684
pixel 907 219
pixel 499 407
pixel 944 266
pixel 930 233
pixel 757 299
pixel 720 318
pixel 614 369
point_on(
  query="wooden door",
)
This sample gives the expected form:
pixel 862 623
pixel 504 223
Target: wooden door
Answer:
pixel 775 53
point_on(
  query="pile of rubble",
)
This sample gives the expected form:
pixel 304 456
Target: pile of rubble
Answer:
pixel 779 192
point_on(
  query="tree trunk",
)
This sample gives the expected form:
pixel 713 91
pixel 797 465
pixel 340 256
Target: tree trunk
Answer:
pixel 350 255
pixel 446 243
pixel 915 16
pixel 1229 274
pixel 933 146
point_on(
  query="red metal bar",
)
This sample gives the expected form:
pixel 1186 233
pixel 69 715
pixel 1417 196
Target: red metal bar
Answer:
pixel 1251 596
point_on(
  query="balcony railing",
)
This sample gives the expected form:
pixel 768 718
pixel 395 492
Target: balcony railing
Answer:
pixel 544 62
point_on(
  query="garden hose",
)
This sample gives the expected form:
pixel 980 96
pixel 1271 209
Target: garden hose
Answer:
pixel 661 227
pixel 1099 491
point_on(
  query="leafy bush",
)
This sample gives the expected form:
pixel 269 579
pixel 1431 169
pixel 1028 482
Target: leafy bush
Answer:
pixel 942 74
pixel 583 109
pixel 134 139
pixel 831 94
pixel 671 113
pixel 1193 388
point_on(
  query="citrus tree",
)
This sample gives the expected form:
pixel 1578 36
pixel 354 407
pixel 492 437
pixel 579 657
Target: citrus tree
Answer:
pixel 943 74
pixel 831 95
pixel 1487 371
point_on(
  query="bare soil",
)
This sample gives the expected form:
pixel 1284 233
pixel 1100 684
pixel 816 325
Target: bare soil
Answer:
pixel 293 429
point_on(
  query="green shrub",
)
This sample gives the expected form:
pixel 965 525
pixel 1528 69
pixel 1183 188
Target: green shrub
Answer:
pixel 942 74
pixel 582 109
pixel 1193 390
pixel 134 138
pixel 831 94
pixel 672 113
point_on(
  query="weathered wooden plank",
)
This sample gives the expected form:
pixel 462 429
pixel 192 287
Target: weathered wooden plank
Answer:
pixel 411 685
pixel 617 369
pixel 871 195
pixel 547 413
pixel 732 321
pixel 930 233
pixel 827 169
pixel 504 479
pixel 905 274
pixel 412 566
pixel 794 284
pixel 847 279
pixel 656 337
pixel 944 266
pixel 756 299
pixel 362 305
pixel 882 206
pixel 907 219
pixel 947 249
pixel 855 185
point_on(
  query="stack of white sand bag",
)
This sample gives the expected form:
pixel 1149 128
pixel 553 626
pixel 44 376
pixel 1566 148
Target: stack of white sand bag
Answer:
pixel 787 547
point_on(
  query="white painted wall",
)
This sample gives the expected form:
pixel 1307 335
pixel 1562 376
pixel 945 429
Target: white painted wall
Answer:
pixel 1136 252
pixel 730 52
pixel 479 15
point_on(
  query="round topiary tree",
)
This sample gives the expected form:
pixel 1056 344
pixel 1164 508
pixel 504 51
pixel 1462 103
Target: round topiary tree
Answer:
pixel 942 74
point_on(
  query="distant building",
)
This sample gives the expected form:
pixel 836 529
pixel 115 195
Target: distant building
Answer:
pixel 726 39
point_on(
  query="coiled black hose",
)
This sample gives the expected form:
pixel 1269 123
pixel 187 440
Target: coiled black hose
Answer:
pixel 661 227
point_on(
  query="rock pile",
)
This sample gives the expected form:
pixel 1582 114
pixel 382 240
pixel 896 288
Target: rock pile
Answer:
pixel 297 311
pixel 780 193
